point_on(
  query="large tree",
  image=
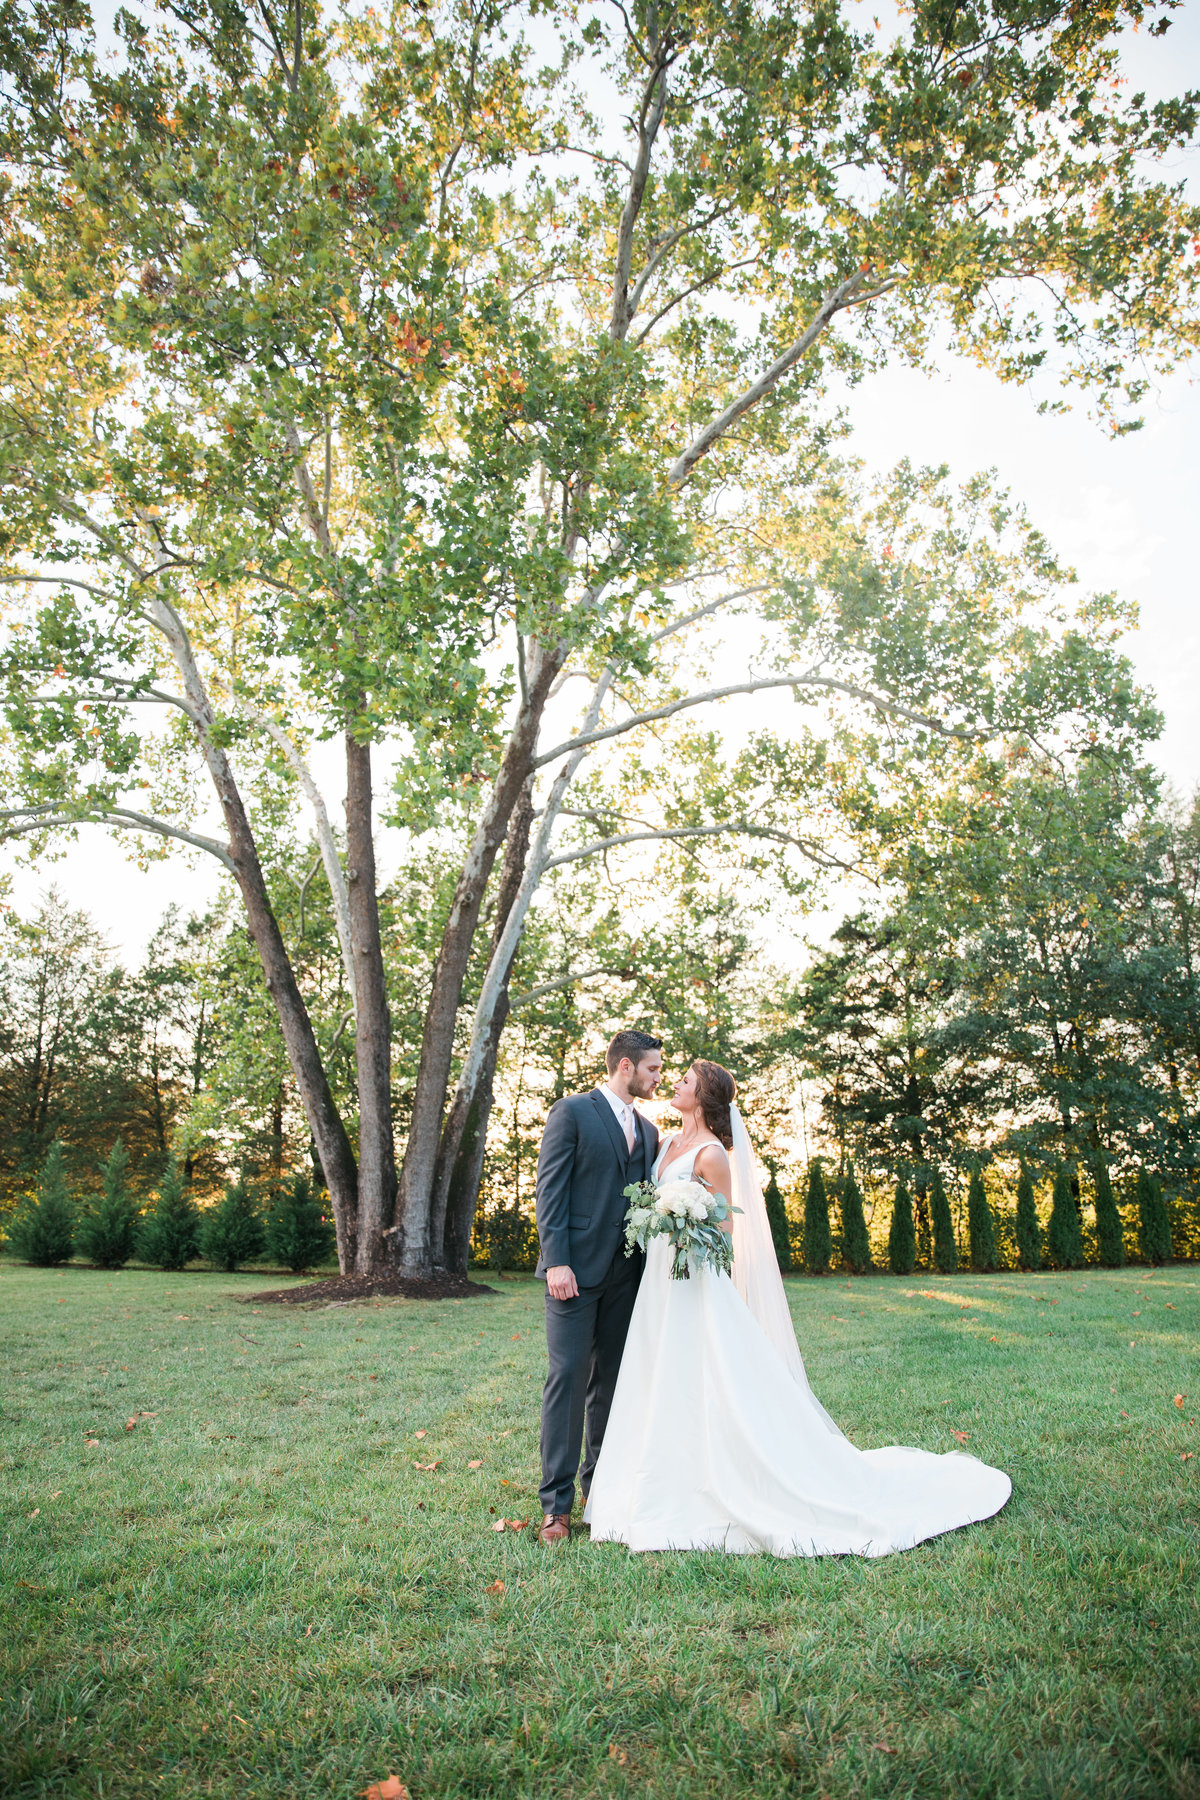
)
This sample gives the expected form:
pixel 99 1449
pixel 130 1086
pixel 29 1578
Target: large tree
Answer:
pixel 371 374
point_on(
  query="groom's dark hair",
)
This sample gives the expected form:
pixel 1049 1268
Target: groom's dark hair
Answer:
pixel 633 1044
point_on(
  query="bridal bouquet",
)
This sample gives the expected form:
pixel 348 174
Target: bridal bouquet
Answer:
pixel 688 1216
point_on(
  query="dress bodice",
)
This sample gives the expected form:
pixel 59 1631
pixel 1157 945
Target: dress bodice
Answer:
pixel 681 1168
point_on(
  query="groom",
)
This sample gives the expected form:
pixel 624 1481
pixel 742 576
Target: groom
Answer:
pixel 593 1146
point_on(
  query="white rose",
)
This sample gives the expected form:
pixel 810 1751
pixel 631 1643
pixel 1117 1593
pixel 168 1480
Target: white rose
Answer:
pixel 664 1205
pixel 698 1209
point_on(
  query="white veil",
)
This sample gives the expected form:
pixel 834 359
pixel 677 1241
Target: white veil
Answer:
pixel 755 1265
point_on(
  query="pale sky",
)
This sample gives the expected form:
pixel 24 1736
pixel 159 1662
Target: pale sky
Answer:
pixel 1123 511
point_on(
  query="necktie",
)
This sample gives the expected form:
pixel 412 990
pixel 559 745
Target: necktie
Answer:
pixel 630 1133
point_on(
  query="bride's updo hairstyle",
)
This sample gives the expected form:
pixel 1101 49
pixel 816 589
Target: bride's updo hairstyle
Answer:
pixel 716 1091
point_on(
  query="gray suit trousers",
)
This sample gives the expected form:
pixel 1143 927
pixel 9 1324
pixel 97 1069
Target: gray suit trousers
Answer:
pixel 585 1338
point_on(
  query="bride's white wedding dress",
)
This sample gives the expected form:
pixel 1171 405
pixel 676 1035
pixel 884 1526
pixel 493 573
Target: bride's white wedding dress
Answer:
pixel 715 1440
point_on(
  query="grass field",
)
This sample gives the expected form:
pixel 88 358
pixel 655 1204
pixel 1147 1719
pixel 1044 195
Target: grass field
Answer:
pixel 256 1592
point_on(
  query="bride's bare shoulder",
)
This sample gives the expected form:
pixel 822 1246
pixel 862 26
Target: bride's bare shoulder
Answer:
pixel 712 1164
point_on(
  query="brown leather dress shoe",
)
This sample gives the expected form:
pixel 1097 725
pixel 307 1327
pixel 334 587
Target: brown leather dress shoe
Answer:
pixel 555 1528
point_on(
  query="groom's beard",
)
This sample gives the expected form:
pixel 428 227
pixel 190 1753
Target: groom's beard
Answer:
pixel 642 1086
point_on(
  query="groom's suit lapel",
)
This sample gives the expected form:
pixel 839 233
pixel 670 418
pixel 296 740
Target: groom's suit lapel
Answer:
pixel 608 1119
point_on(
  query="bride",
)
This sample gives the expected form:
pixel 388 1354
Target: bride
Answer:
pixel 715 1439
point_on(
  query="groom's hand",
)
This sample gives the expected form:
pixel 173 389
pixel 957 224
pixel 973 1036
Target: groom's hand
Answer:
pixel 561 1283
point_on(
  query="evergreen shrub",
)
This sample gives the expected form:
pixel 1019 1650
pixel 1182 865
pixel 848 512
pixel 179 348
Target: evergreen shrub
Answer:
pixel 1065 1235
pixel 778 1220
pixel 945 1244
pixel 1154 1224
pixel 1110 1234
pixel 1029 1236
pixel 43 1228
pixel 170 1234
pixel 902 1238
pixel 856 1244
pixel 981 1228
pixel 232 1232
pixel 107 1233
pixel 298 1234
pixel 818 1244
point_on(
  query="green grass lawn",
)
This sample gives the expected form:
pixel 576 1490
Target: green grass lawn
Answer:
pixel 256 1592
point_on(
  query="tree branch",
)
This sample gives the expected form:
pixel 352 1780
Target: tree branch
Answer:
pixel 731 828
pixel 750 397
pixel 334 873
pixel 810 678
pixel 47 818
pixel 552 987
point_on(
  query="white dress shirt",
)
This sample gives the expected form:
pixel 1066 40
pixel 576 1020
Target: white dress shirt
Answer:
pixel 625 1114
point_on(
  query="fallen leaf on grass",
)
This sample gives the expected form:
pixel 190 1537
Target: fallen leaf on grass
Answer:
pixel 420 1434
pixel 886 1748
pixel 475 1463
pixel 92 1444
pixel 962 1436
pixel 35 1512
pixel 1179 1400
pixel 993 1340
pixel 391 1789
pixel 1124 1415
pixel 130 1423
pixel 1168 1306
pixel 432 1465
pixel 500 1525
pixel 621 1757
pixel 495 1587
pixel 510 1525
pixel 1187 1456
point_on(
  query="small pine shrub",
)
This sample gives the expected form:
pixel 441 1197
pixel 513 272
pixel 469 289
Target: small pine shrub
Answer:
pixel 1065 1235
pixel 778 1220
pixel 1029 1236
pixel 43 1228
pixel 298 1234
pixel 818 1244
pixel 902 1237
pixel 981 1228
pixel 1110 1234
pixel 232 1232
pixel 856 1245
pixel 170 1234
pixel 945 1245
pixel 107 1233
pixel 1154 1224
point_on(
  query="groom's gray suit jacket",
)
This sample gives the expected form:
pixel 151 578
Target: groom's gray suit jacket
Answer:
pixel 583 1171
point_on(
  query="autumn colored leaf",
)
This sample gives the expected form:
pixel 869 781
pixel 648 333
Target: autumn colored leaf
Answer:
pixel 500 1525
pixel 475 1463
pixel 1179 1400
pixel 429 1465
pixel 420 1434
pixel 621 1757
pixel 495 1587
pixel 962 1436
pixel 391 1789
pixel 1187 1456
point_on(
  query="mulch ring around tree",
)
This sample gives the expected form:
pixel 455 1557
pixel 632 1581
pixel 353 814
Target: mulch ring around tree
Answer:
pixel 340 1290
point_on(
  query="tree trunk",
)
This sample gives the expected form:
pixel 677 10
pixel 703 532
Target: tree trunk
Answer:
pixel 372 1019
pixel 414 1249
pixel 464 1137
pixel 304 1056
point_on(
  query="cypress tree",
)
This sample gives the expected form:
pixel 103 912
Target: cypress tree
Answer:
pixel 778 1220
pixel 1110 1234
pixel 170 1234
pixel 980 1227
pixel 818 1244
pixel 107 1233
pixel 1154 1224
pixel 232 1232
pixel 1065 1235
pixel 902 1238
pixel 1029 1237
pixel 298 1234
pixel 945 1246
pixel 43 1228
pixel 856 1245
